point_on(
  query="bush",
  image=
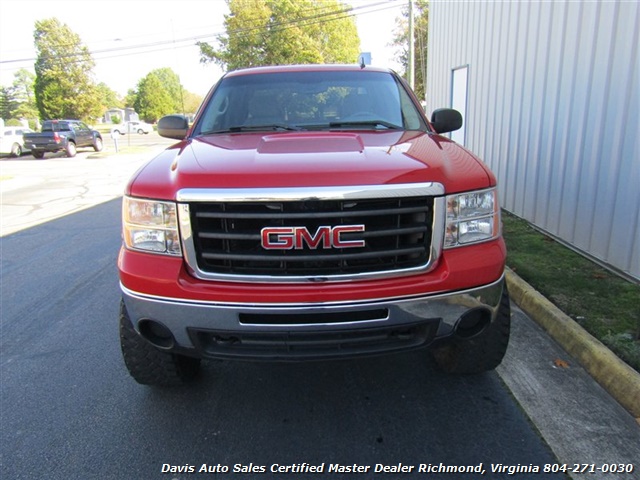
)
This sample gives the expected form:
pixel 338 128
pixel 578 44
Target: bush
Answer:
pixel 13 122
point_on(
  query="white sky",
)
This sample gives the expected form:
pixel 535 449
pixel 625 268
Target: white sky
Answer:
pixel 114 30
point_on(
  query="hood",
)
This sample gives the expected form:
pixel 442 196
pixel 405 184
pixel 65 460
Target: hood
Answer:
pixel 247 160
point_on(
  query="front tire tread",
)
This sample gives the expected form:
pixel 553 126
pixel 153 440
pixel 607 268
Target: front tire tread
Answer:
pixel 150 366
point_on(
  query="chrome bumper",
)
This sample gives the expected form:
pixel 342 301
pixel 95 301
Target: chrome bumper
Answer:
pixel 318 330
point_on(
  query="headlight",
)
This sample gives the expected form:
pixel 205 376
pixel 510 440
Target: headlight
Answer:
pixel 150 226
pixel 472 217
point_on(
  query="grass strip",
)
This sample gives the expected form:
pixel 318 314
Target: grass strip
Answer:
pixel 603 303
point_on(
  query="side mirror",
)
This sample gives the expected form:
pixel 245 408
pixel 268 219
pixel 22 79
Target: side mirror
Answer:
pixel 445 120
pixel 173 126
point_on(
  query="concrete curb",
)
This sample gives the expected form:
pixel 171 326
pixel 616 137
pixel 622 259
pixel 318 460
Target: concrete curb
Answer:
pixel 616 377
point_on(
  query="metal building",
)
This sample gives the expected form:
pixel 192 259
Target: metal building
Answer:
pixel 550 94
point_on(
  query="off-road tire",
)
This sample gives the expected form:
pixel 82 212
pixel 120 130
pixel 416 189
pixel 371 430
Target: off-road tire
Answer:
pixel 70 149
pixel 150 366
pixel 37 154
pixel 483 352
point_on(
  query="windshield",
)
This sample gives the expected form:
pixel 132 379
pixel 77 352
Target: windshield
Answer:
pixel 309 101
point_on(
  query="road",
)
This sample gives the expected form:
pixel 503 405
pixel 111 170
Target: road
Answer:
pixel 70 410
pixel 34 191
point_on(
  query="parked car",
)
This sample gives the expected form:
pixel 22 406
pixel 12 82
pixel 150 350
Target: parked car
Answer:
pixel 131 127
pixel 67 135
pixel 11 141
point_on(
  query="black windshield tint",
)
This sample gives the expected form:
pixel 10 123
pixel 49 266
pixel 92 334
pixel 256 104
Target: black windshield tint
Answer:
pixel 308 100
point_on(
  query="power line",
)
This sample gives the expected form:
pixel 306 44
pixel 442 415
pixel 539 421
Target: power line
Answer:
pixel 322 17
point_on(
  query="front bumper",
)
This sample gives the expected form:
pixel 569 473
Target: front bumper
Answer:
pixel 311 330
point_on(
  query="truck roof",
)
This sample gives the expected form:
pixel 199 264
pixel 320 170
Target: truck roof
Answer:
pixel 306 68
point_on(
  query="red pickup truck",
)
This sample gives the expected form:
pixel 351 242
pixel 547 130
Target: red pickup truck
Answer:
pixel 311 212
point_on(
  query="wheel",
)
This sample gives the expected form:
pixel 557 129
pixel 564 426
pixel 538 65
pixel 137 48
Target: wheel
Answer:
pixel 37 153
pixel 140 131
pixel 16 150
pixel 97 144
pixel 70 149
pixel 118 132
pixel 148 365
pixel 483 352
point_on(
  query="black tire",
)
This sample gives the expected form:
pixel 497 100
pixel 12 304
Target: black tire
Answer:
pixel 70 149
pixel 37 153
pixel 97 144
pixel 140 131
pixel 483 352
pixel 16 150
pixel 150 366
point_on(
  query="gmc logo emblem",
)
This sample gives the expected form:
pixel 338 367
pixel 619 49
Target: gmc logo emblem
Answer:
pixel 288 238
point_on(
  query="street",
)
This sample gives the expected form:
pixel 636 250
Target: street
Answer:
pixel 70 410
pixel 34 191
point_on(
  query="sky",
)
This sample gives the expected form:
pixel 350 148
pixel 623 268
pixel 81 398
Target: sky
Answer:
pixel 130 38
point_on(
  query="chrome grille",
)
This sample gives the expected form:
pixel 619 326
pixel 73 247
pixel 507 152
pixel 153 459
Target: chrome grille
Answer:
pixel 224 237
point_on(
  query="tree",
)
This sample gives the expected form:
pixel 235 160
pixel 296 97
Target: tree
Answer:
pixel 160 93
pixel 17 101
pixel 108 97
pixel 278 32
pixel 401 41
pixel 171 82
pixel 153 99
pixel 63 86
pixel 23 84
pixel 8 102
pixel 130 98
pixel 191 102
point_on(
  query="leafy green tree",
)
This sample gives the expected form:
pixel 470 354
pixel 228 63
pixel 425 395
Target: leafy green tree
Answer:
pixel 13 122
pixel 272 32
pixel 130 99
pixel 160 93
pixel 108 97
pixel 153 99
pixel 23 87
pixel 191 102
pixel 171 82
pixel 8 102
pixel 64 87
pixel 401 42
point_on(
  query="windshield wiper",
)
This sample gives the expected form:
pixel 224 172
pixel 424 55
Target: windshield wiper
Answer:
pixel 277 127
pixel 366 123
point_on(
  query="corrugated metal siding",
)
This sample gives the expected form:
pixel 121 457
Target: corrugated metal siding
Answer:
pixel 554 109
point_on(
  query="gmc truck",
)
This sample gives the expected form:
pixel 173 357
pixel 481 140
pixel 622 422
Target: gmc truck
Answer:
pixel 67 135
pixel 309 213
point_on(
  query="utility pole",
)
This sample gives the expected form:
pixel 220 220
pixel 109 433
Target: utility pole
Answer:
pixel 410 73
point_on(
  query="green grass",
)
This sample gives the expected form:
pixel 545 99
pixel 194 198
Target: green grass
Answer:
pixel 603 303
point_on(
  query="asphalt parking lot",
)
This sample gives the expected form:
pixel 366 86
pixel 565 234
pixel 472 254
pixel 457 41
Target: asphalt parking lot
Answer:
pixel 579 420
